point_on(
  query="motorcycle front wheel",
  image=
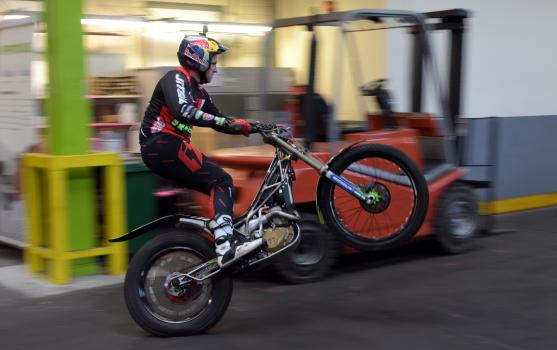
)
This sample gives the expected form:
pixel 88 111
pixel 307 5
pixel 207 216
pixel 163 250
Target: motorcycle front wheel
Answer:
pixel 398 188
pixel 163 308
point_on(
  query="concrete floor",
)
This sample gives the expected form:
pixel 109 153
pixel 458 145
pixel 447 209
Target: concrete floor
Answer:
pixel 501 295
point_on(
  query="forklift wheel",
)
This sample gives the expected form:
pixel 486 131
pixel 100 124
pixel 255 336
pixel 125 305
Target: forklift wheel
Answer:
pixel 314 256
pixel 457 219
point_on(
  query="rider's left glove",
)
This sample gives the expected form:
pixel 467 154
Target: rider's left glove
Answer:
pixel 241 126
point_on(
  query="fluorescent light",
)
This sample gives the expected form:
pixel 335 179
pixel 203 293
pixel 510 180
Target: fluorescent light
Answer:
pixel 163 36
pixel 170 31
pixel 176 26
pixel 186 15
pixel 112 22
pixel 238 28
pixel 10 17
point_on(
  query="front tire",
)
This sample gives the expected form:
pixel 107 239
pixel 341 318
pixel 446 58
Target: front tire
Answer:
pixel 400 197
pixel 167 312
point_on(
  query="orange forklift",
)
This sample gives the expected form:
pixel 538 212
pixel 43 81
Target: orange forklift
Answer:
pixel 428 139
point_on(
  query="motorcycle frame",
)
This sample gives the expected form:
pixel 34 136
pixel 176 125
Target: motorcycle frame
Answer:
pixel 287 149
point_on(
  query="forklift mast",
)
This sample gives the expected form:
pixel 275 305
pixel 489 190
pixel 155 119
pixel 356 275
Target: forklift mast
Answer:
pixel 453 21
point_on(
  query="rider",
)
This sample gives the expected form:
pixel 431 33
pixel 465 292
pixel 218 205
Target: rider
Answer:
pixel 179 102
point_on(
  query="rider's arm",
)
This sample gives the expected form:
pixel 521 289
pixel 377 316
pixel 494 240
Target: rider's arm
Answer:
pixel 209 106
pixel 232 125
pixel 178 98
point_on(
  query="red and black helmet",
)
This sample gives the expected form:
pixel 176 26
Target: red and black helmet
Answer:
pixel 196 51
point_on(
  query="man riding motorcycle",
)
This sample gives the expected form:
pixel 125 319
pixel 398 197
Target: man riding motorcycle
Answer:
pixel 179 102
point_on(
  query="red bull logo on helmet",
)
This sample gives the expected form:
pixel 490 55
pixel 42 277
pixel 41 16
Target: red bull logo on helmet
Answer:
pixel 198 51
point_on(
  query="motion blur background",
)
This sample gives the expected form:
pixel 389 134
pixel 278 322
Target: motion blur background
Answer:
pixel 507 71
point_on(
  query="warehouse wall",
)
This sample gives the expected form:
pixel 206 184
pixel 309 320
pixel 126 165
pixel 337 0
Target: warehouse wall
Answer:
pixel 509 63
pixel 517 156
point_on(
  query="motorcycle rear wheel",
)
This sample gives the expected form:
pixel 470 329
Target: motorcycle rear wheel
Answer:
pixel 165 310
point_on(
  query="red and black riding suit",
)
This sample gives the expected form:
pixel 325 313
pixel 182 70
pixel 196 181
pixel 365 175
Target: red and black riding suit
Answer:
pixel 178 103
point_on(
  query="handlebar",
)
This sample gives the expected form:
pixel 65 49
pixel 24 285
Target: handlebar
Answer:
pixel 271 132
pixel 373 88
pixel 266 129
pixel 280 137
pixel 262 127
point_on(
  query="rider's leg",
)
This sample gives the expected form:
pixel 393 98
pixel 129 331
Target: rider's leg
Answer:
pixel 221 203
pixel 222 199
pixel 178 160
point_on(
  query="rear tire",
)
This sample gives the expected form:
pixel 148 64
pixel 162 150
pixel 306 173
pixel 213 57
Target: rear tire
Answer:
pixel 214 293
pixel 312 259
pixel 385 170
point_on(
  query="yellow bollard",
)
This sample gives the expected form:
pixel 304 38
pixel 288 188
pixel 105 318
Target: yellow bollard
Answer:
pixel 52 245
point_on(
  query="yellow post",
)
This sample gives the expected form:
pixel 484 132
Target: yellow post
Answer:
pixel 56 187
pixel 32 191
pixel 52 245
pixel 114 209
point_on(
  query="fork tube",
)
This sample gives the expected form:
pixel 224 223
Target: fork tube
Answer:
pixel 323 170
pixel 311 161
pixel 346 185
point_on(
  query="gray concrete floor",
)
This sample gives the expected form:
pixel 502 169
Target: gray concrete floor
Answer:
pixel 501 295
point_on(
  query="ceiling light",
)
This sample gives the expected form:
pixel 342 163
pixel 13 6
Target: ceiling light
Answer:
pixel 176 26
pixel 128 22
pixel 11 17
pixel 181 26
pixel 238 29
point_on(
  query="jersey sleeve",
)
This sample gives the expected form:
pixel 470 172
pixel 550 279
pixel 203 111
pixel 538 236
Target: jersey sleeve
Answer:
pixel 178 97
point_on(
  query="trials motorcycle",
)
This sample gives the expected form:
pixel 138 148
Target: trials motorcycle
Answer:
pixel 372 196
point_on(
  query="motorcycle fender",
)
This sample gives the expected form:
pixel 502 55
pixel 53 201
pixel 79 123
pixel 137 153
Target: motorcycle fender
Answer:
pixel 195 223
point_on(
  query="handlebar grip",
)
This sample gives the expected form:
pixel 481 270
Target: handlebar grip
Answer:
pixel 266 126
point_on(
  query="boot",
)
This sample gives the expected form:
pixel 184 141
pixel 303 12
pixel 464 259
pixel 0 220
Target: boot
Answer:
pixel 227 249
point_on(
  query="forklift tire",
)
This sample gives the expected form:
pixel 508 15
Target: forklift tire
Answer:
pixel 314 255
pixel 457 219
